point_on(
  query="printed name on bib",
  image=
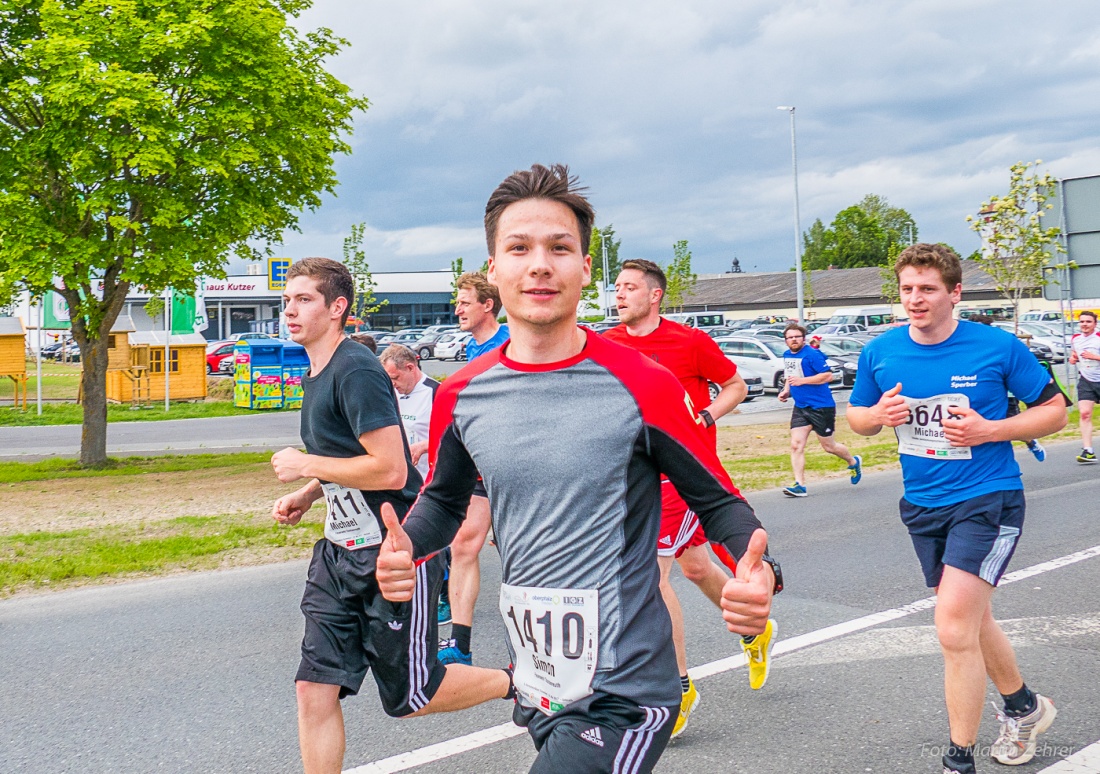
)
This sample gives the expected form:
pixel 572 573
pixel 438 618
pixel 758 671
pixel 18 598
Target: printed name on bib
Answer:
pixel 349 522
pixel 555 636
pixel 922 435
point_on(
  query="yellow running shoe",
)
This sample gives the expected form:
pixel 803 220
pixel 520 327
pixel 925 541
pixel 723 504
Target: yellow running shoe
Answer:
pixel 758 653
pixel 688 702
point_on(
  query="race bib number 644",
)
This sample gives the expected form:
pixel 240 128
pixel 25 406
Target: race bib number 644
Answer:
pixel 555 636
pixel 922 435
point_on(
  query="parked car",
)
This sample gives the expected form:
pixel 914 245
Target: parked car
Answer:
pixel 764 357
pixel 848 360
pixel 755 386
pixel 1039 335
pixel 217 353
pixel 382 338
pixel 1041 317
pixel 67 351
pixel 701 320
pixel 452 345
pixel 251 335
pixel 839 329
pixel 425 345
pixel 769 332
pixel 853 344
pixel 407 338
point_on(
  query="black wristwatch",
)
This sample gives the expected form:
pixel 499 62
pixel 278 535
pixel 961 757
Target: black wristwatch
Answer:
pixel 777 570
pixel 708 420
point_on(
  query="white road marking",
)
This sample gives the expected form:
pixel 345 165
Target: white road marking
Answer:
pixel 1085 761
pixel 487 736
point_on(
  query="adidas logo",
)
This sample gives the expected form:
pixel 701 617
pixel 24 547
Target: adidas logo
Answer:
pixel 593 736
pixel 665 541
pixel 395 625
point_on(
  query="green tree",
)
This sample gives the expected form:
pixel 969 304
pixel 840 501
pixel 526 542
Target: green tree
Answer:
pixel 860 235
pixel 600 238
pixel 680 278
pixel 456 272
pixel 1015 246
pixel 356 261
pixel 143 141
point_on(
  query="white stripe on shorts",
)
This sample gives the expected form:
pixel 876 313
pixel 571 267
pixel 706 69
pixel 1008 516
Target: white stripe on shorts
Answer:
pixel 997 558
pixel 418 637
pixel 636 741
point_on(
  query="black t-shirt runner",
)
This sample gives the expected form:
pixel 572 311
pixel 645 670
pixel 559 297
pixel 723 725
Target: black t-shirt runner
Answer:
pixel 353 395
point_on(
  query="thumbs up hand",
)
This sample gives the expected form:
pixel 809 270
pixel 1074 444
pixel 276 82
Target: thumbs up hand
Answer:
pixel 891 409
pixel 394 567
pixel 747 597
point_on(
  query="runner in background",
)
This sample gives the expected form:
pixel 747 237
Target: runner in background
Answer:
pixel 696 361
pixel 943 385
pixel 807 381
pixel 477 305
pixel 1086 356
pixel 1033 446
pixel 357 462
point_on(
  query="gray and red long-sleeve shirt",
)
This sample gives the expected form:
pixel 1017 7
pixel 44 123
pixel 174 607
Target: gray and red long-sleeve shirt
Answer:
pixel 571 455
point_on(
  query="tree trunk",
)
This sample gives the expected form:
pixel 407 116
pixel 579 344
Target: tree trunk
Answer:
pixel 93 382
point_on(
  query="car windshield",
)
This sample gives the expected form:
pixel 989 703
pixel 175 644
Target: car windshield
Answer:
pixel 829 348
pixel 775 345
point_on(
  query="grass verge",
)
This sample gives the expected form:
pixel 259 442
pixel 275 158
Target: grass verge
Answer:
pixel 73 414
pixel 37 559
pixel 44 470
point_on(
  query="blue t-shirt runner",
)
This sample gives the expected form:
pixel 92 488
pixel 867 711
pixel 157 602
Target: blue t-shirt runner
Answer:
pixel 473 349
pixel 808 361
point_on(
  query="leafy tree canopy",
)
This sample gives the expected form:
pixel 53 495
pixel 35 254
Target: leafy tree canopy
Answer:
pixel 861 235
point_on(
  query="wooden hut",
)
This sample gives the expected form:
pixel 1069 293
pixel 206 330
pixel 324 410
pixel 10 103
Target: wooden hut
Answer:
pixel 186 368
pixel 13 356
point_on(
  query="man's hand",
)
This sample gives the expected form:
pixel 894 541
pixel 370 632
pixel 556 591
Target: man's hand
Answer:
pixel 747 597
pixel 796 381
pixel 418 450
pixel 783 395
pixel 966 427
pixel 891 409
pixel 395 571
pixel 290 508
pixel 1073 357
pixel 289 465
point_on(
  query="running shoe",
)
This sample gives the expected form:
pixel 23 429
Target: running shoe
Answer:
pixel 450 654
pixel 1015 744
pixel 444 614
pixel 688 702
pixel 1037 449
pixel 856 469
pixel 758 653
pixel 799 491
pixel 1086 457
pixel 958 768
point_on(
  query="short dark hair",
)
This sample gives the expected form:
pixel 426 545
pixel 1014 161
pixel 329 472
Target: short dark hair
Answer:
pixel 366 340
pixel 654 275
pixel 480 284
pixel 794 327
pixel 539 182
pixel 333 280
pixel 1089 314
pixel 939 257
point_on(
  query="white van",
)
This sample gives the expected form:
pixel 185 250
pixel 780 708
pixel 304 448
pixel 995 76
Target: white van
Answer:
pixel 862 315
pixel 1041 317
pixel 701 320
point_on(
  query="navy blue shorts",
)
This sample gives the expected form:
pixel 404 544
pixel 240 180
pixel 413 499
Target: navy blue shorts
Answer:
pixel 977 536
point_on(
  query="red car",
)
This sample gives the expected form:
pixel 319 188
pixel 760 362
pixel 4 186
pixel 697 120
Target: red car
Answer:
pixel 216 352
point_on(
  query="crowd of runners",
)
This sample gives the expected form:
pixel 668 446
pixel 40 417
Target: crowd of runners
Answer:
pixel 592 459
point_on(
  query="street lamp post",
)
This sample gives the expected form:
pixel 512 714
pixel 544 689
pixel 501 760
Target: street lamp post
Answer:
pixel 797 221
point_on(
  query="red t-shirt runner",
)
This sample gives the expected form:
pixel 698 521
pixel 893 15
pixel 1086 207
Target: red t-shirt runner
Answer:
pixel 694 359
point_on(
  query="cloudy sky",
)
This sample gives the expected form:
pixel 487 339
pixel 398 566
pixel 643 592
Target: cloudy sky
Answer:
pixel 667 111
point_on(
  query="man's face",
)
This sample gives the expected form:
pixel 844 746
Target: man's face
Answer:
pixel 471 313
pixel 925 297
pixel 404 377
pixel 1087 323
pixel 537 262
pixel 635 299
pixel 308 318
pixel 795 340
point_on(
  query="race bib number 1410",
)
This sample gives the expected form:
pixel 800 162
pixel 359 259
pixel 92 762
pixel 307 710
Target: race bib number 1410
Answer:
pixel 555 636
pixel 922 435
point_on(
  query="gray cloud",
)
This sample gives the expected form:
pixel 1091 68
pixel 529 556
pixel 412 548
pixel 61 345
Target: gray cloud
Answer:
pixel 667 112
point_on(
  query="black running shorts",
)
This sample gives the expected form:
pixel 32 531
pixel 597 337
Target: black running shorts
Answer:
pixel 600 733
pixel 351 627
pixel 822 420
pixel 1087 390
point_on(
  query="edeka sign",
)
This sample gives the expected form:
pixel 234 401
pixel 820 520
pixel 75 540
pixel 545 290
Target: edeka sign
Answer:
pixel 276 273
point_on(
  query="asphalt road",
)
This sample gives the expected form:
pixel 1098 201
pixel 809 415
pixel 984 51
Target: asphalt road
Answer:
pixel 194 673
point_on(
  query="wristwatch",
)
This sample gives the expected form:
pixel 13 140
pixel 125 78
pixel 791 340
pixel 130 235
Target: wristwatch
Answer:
pixel 708 420
pixel 777 570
